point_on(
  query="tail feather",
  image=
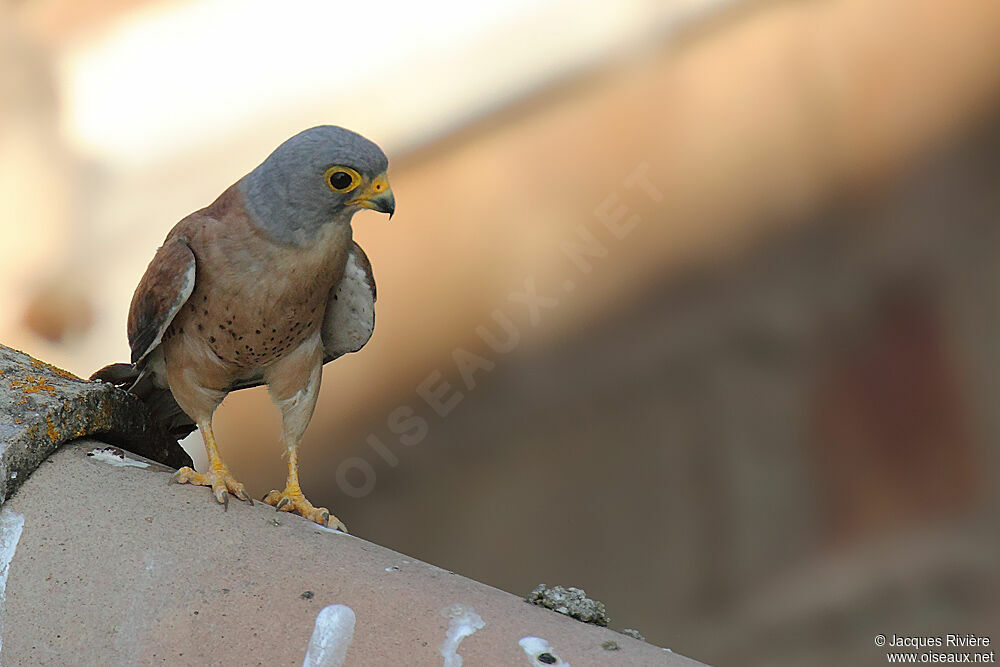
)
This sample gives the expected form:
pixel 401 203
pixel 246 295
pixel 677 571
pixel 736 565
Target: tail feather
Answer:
pixel 158 400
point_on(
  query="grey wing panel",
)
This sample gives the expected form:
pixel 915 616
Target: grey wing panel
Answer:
pixel 350 312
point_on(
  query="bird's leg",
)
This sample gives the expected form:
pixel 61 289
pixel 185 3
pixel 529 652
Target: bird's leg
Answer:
pixel 294 387
pixel 217 476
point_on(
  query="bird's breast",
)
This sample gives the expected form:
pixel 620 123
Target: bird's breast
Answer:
pixel 256 302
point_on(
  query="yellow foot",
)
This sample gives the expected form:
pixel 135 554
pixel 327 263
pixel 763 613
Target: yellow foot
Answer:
pixel 292 500
pixel 217 477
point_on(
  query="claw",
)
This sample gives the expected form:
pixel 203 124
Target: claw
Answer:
pixel 218 478
pixel 292 500
pixel 242 495
pixel 180 476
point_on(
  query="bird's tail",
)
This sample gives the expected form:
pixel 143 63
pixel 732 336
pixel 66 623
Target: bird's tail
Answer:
pixel 158 400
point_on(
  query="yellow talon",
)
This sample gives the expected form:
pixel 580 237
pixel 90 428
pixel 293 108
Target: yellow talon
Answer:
pixel 218 478
pixel 292 500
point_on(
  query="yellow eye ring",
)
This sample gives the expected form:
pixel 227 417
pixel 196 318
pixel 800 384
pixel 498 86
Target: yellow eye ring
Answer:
pixel 342 179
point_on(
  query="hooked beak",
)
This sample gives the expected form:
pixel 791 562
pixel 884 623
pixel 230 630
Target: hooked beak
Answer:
pixel 377 196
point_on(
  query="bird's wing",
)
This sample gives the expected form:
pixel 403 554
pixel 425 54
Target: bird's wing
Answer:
pixel 166 285
pixel 350 310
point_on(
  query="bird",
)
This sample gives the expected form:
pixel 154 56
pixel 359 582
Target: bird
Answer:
pixel 262 287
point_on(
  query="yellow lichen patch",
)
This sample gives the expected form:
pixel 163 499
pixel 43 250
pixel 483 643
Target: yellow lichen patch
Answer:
pixel 32 384
pixel 38 363
pixel 101 417
pixel 51 429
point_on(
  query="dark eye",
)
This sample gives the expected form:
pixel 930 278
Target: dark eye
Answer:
pixel 342 179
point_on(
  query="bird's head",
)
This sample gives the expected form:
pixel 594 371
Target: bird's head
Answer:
pixel 322 175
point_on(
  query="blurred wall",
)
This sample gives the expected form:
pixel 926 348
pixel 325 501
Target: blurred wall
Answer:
pixel 44 208
pixel 757 426
pixel 794 446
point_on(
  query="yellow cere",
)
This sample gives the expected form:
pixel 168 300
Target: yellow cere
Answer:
pixel 378 185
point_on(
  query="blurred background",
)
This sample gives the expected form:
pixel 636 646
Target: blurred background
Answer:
pixel 691 304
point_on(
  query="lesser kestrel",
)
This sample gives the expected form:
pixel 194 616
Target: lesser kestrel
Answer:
pixel 263 286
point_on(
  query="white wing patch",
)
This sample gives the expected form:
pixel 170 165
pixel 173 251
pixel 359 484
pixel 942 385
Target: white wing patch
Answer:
pixel 350 314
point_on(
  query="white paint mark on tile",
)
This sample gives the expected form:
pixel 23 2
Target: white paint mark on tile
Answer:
pixel 115 457
pixel 540 652
pixel 11 525
pixel 331 637
pixel 464 621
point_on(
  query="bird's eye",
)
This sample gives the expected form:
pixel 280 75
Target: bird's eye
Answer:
pixel 342 179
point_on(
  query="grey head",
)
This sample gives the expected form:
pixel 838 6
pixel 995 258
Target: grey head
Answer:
pixel 320 176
